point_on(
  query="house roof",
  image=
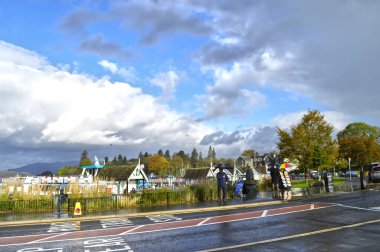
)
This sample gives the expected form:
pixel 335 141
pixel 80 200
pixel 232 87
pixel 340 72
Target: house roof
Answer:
pixel 246 158
pixel 196 173
pixel 118 173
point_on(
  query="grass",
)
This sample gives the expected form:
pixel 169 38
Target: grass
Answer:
pixel 303 184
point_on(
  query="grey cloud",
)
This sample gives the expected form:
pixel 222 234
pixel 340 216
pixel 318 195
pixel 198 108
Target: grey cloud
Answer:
pixel 264 140
pixel 152 19
pixel 220 137
pixel 75 22
pixel 97 45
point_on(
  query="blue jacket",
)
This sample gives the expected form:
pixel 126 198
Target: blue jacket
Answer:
pixel 222 179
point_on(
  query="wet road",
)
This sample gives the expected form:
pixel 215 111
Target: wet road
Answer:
pixel 344 222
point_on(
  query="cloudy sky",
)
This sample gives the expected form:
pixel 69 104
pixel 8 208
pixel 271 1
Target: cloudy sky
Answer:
pixel 128 76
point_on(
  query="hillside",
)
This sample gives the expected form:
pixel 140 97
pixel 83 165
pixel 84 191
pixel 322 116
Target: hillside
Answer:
pixel 38 168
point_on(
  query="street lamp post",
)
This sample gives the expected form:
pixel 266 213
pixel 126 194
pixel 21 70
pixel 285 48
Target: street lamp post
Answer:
pixel 349 166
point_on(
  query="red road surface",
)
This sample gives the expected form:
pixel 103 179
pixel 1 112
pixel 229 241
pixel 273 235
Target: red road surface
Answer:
pixel 157 226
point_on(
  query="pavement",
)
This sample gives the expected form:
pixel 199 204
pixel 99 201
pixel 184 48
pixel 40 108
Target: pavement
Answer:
pixel 262 199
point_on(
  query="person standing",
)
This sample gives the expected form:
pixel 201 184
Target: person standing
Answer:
pixel 222 180
pixel 275 176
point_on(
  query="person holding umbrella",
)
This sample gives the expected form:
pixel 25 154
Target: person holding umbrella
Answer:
pixel 222 180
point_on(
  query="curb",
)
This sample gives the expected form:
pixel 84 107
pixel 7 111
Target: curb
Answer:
pixel 179 211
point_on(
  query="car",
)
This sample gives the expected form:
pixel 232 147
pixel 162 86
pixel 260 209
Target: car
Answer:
pixel 353 174
pixel 374 173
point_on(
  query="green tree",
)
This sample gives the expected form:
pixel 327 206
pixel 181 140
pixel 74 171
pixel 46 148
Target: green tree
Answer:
pixel 176 165
pixel 359 142
pixel 317 157
pixel 167 154
pixel 84 155
pixel 160 153
pixel 119 159
pixel 68 171
pixel 194 158
pixel 125 160
pixel 249 153
pixel 114 161
pixel 46 174
pixel 106 160
pixel 85 161
pixel 300 142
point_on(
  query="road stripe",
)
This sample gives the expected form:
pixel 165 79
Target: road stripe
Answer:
pixel 311 206
pixel 292 236
pixel 359 208
pixel 43 239
pixel 202 222
pixel 131 230
pixel 264 213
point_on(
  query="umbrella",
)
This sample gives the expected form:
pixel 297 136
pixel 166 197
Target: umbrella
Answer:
pixel 288 167
pixel 224 166
pixel 285 166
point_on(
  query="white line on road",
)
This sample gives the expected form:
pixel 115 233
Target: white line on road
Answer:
pixel 312 206
pixel 360 208
pixel 202 222
pixel 53 236
pixel 133 229
pixel 264 213
pixel 291 236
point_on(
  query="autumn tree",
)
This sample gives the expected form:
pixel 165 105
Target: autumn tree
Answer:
pixel 158 164
pixel 360 142
pixel 308 141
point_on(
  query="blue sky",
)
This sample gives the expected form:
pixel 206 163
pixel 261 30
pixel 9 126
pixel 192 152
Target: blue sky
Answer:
pixel 128 76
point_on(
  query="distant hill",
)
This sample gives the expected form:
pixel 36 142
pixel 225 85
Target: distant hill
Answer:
pixel 7 174
pixel 39 168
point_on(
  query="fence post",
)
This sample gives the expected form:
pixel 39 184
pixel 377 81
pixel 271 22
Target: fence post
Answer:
pixel 68 206
pixel 167 198
pixel 210 194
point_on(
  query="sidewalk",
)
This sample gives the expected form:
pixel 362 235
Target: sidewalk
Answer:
pixel 262 199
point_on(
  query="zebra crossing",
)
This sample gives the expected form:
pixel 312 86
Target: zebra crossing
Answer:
pixel 71 226
pixel 64 227
pixel 115 222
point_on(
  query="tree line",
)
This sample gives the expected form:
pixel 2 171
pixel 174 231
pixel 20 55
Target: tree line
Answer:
pixel 310 144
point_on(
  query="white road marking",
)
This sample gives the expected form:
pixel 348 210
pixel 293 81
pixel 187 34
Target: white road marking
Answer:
pixel 46 238
pixel 359 208
pixel 312 206
pixel 133 229
pixel 115 222
pixel 202 222
pixel 40 249
pixel 163 218
pixel 64 226
pixel 109 244
pixel 264 213
pixel 291 236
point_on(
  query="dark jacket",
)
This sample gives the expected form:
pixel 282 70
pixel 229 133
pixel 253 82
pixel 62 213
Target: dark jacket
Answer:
pixel 222 179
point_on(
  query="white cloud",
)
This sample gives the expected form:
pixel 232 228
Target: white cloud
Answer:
pixel 128 74
pixel 44 106
pixel 167 82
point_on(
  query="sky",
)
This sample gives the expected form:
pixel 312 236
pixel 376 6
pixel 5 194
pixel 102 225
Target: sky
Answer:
pixel 116 77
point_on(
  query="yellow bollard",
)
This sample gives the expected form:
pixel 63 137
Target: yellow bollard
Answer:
pixel 77 209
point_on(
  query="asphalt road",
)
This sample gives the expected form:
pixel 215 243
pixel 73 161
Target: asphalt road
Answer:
pixel 344 222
